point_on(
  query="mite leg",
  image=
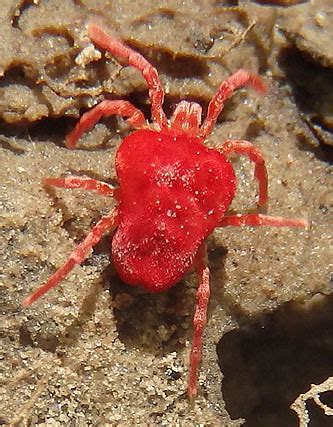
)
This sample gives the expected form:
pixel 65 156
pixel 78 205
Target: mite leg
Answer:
pixel 226 89
pixel 199 320
pixel 80 253
pixel 255 155
pixel 253 220
pixel 156 93
pixel 105 108
pixel 85 183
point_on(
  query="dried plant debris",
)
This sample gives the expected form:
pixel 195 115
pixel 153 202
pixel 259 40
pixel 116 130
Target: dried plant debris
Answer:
pixel 299 406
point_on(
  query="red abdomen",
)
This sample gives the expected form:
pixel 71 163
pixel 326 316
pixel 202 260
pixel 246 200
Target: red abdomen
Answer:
pixel 173 192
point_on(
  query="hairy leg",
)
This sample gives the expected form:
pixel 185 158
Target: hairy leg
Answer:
pixel 199 320
pixel 156 93
pixel 253 220
pixel 226 89
pixel 80 253
pixel 85 183
pixel 105 108
pixel 255 155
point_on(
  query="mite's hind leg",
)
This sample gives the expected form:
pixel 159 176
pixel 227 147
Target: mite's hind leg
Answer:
pixel 199 320
pixel 80 253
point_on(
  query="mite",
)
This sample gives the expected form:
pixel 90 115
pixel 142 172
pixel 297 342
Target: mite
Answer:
pixel 173 190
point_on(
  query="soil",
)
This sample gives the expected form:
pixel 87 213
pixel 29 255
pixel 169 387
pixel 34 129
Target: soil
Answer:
pixel 96 351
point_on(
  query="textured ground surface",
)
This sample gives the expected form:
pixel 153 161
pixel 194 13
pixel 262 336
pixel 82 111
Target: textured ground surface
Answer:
pixel 97 352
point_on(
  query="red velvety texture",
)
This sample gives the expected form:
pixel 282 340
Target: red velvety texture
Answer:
pixel 173 192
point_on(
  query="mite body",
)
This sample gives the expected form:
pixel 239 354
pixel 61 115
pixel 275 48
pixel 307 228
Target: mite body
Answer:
pixel 172 193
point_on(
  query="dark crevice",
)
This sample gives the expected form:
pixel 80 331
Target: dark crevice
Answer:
pixel 203 43
pixel 226 3
pixel 160 14
pixel 50 32
pixel 176 67
pixel 43 336
pixel 280 2
pixel 216 261
pixel 310 81
pixel 61 66
pixel 19 10
pixel 254 129
pixel 19 73
pixel 317 140
pixel 51 129
pixel 267 363
pixel 327 398
pixel 312 86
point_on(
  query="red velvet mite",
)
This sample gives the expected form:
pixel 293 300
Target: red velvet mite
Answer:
pixel 173 190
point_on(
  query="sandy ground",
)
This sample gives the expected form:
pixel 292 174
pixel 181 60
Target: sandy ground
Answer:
pixel 98 352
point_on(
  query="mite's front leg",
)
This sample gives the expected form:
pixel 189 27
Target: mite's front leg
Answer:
pixel 105 108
